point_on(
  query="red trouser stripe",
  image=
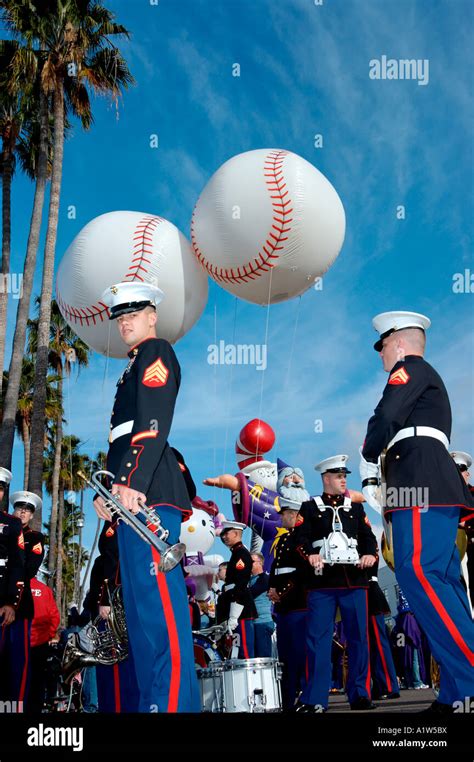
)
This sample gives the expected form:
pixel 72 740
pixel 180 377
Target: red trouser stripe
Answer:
pixel 25 663
pixel 173 695
pixel 367 682
pixel 243 635
pixel 382 655
pixel 118 706
pixel 441 611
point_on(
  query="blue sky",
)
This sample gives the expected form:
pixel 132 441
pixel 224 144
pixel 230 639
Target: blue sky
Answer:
pixel 304 70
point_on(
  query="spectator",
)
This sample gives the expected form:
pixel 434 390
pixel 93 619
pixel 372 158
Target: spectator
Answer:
pixel 43 632
pixel 264 625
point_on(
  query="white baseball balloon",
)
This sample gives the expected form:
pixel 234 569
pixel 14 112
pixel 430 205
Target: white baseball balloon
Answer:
pixel 266 225
pixel 129 246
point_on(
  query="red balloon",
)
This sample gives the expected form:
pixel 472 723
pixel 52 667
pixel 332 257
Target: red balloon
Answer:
pixel 257 437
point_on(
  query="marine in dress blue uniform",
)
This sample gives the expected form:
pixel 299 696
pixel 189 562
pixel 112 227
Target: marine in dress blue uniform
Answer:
pixel 143 463
pixel 343 585
pixel 425 498
pixel 12 583
pixel 288 593
pixel 117 686
pixel 235 604
pixel 18 635
pixel 464 462
pixel 382 668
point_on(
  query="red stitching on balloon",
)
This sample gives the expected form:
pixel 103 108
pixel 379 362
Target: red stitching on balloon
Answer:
pixel 143 236
pixel 273 164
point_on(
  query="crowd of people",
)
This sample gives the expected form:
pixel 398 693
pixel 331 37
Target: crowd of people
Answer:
pixel 324 554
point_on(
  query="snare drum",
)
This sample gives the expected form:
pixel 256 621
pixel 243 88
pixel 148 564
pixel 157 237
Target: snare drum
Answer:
pixel 211 687
pixel 205 651
pixel 251 685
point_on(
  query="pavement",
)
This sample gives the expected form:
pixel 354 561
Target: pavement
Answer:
pixel 409 701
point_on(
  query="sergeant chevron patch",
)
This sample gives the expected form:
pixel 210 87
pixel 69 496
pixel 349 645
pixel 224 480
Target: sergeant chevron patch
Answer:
pixel 399 377
pixel 38 548
pixel 156 374
pixel 240 565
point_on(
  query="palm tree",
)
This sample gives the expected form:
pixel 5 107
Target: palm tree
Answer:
pixel 75 54
pixel 73 556
pixel 25 406
pixel 96 464
pixel 53 408
pixel 76 37
pixel 71 461
pixel 10 126
pixel 66 349
pixel 38 158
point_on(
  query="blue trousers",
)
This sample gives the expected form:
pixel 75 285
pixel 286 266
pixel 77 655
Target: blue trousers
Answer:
pixel 427 567
pixel 291 634
pixel 246 631
pixel 15 661
pixel 322 606
pixel 90 703
pixel 159 628
pixel 263 632
pixel 117 687
pixel 384 676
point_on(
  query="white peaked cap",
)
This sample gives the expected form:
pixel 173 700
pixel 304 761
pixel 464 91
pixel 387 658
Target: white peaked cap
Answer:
pixel 130 296
pixel 461 458
pixel 22 496
pixel 5 475
pixel 232 525
pixel 334 464
pixel 389 322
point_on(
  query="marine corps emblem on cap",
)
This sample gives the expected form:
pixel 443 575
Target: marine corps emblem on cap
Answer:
pixel 336 464
pixel 130 296
pixel 27 498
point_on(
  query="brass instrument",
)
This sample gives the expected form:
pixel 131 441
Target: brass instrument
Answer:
pixel 108 639
pixel 149 529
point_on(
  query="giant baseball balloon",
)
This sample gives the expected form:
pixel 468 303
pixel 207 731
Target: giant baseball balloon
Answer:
pixel 266 225
pixel 129 246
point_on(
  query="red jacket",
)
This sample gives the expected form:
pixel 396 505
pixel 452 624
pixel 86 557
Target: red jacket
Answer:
pixel 46 619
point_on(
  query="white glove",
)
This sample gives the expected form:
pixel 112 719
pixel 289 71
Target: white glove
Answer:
pixel 370 475
pixel 234 613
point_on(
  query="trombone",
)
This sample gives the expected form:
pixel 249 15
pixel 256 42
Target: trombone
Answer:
pixel 147 523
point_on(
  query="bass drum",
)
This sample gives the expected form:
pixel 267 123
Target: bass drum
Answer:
pixel 251 685
pixel 206 651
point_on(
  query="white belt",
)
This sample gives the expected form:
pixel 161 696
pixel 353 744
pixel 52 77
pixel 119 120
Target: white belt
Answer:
pixel 285 570
pixel 374 579
pixel 229 587
pixel 419 431
pixel 120 430
pixel 3 561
